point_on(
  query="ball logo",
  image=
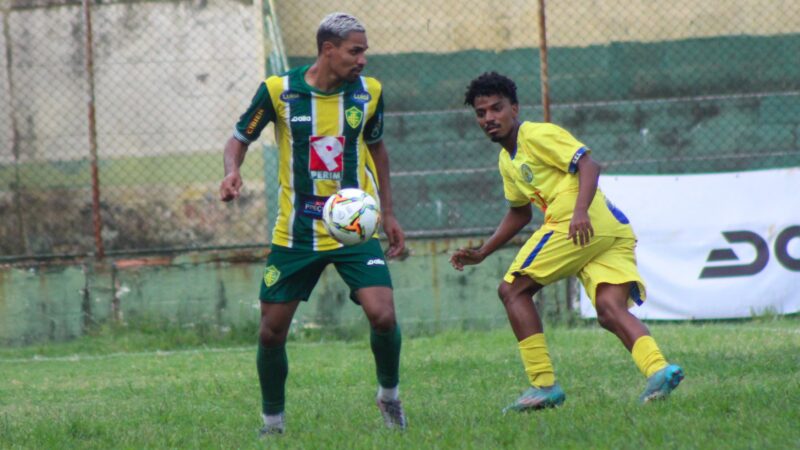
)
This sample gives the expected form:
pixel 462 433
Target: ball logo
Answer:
pixel 762 254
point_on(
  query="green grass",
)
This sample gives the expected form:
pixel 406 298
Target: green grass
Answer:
pixel 129 171
pixel 742 390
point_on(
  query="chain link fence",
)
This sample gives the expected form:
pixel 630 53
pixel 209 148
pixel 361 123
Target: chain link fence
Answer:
pixel 144 95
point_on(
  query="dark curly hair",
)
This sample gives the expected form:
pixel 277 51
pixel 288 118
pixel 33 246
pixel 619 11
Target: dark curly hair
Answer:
pixel 491 83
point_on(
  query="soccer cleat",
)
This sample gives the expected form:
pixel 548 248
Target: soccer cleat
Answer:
pixel 661 383
pixel 276 427
pixel 267 430
pixel 538 398
pixel 392 412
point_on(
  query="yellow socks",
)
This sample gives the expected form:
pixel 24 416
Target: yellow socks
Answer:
pixel 536 360
pixel 647 356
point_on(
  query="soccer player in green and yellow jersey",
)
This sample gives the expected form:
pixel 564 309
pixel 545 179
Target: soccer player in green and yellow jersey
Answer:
pixel 583 234
pixel 329 127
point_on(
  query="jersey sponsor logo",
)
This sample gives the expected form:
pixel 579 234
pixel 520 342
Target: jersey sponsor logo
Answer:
pixel 297 119
pixel 354 116
pixel 289 96
pixel 312 206
pixel 326 157
pixel 527 173
pixel 361 96
pixel 271 275
pixel 251 127
pixel 376 262
pixel 762 254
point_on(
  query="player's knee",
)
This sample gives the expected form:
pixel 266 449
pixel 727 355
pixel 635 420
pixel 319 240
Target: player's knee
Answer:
pixel 607 315
pixel 505 291
pixel 271 336
pixel 383 321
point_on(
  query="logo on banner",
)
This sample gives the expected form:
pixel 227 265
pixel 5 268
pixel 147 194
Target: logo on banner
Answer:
pixel 354 116
pixel 326 157
pixel 781 249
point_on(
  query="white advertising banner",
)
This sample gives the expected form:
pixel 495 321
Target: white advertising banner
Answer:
pixel 713 246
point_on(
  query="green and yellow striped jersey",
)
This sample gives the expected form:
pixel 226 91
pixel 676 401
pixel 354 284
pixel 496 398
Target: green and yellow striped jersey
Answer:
pixel 322 142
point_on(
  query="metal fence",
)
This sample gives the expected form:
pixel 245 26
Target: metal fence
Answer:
pixel 114 114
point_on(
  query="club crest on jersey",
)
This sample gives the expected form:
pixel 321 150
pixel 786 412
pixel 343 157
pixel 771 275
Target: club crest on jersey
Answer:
pixel 326 157
pixel 271 275
pixel 527 173
pixel 361 96
pixel 354 116
pixel 290 96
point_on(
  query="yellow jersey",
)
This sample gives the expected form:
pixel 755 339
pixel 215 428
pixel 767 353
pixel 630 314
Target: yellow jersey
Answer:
pixel 543 170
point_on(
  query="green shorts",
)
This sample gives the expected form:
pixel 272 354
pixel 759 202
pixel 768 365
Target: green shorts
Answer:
pixel 292 274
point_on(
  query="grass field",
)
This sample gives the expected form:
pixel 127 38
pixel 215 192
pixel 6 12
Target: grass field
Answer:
pixel 742 391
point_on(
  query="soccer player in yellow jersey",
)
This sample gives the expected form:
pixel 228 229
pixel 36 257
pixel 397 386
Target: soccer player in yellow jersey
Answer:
pixel 329 127
pixel 583 234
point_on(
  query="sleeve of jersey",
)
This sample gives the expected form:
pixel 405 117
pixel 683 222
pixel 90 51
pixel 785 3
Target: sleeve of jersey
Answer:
pixel 373 130
pixel 558 148
pixel 513 195
pixel 257 116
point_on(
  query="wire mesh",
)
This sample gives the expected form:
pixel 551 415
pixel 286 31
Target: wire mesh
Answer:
pixel 681 88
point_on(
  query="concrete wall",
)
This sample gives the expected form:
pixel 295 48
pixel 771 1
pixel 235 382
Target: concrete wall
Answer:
pixel 455 25
pixel 170 77
pixel 56 302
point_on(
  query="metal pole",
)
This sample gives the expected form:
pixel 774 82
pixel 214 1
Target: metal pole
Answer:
pixel 543 62
pixel 89 64
pixel 22 234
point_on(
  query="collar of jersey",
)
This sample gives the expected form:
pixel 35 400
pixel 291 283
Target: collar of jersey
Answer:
pixel 297 81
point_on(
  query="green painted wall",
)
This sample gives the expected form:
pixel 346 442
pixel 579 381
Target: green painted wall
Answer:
pixel 49 303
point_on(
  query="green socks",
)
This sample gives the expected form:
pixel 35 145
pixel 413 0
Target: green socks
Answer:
pixel 273 368
pixel 386 349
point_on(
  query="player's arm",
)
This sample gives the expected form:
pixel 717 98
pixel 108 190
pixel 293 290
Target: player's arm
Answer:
pixel 232 158
pixel 580 227
pixel 515 219
pixel 390 224
pixel 247 130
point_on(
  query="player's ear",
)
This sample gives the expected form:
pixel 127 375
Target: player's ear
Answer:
pixel 515 109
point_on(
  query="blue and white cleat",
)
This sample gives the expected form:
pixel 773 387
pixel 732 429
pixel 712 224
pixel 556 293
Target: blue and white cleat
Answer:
pixel 661 383
pixel 538 398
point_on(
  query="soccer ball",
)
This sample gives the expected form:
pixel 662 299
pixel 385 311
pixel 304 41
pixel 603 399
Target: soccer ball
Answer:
pixel 351 216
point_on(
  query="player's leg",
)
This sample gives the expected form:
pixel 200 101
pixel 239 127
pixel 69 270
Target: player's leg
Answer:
pixel 546 257
pixel 364 269
pixel 272 363
pixel 289 277
pixel 614 284
pixel 517 298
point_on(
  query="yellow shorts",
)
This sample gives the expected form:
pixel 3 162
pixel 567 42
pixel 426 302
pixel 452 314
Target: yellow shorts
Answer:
pixel 549 256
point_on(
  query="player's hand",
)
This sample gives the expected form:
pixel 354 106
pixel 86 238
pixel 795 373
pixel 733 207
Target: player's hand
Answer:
pixel 230 187
pixel 466 256
pixel 394 232
pixel 580 228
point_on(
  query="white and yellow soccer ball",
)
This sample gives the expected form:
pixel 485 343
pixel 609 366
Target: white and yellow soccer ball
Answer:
pixel 351 216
